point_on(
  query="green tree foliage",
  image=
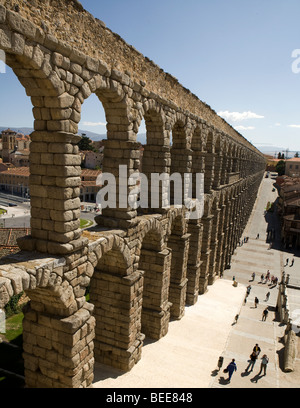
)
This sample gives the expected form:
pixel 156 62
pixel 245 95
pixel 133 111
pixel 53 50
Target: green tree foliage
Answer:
pixel 12 306
pixel 280 167
pixel 86 144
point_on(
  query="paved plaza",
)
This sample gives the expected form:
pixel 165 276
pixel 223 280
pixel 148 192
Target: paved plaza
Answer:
pixel 187 356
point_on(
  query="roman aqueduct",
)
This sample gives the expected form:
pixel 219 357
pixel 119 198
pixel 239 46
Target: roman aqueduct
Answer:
pixel 141 268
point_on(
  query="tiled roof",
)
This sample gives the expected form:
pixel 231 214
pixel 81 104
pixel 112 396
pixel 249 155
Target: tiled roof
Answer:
pixel 88 172
pixel 17 171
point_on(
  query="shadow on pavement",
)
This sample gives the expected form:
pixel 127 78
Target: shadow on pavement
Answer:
pixel 256 378
pixel 223 381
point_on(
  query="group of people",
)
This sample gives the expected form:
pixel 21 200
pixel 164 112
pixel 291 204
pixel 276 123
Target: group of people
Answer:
pixel 232 367
pixel 256 301
pixel 272 282
pixel 287 262
pixel 266 278
pixel 244 240
pixel 253 358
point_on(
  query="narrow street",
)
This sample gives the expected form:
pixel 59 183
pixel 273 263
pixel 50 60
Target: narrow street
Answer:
pixel 256 256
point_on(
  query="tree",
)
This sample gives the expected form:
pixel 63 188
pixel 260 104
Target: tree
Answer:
pixel 86 144
pixel 279 156
pixel 280 167
pixel 296 154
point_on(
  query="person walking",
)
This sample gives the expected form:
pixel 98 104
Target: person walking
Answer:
pixel 256 302
pixel 253 276
pixel 267 296
pixel 263 365
pixel 292 263
pixel 253 358
pixel 265 314
pixel 262 278
pixel 248 290
pixel 287 261
pixel 230 369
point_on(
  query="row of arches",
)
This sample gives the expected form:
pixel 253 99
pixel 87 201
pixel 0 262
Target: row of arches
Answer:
pixel 58 87
pixel 133 298
pixel 141 269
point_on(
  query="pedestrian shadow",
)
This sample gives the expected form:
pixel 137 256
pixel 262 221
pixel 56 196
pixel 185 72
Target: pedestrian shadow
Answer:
pixel 245 373
pixel 214 373
pixel 256 378
pixel 223 381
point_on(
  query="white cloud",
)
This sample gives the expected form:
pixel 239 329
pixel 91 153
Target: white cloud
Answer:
pixel 294 126
pixel 277 124
pixel 239 116
pixel 94 124
pixel 244 127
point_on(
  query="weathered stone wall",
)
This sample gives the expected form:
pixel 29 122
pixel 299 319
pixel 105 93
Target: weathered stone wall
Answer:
pixel 141 267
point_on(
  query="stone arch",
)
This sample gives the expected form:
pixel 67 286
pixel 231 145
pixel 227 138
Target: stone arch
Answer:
pixel 178 243
pixel 116 293
pixel 37 70
pixel 229 162
pixel 154 116
pixel 156 152
pixel 154 261
pixel 213 245
pixel 224 173
pixel 209 161
pixel 222 234
pixel 218 160
pixel 53 321
pixel 181 158
pixel 198 140
pixel 198 156
pixel 210 141
pixel 120 147
pixel 235 158
pixel 151 235
pixel 178 127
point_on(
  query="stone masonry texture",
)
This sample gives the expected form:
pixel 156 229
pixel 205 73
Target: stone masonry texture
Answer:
pixel 140 267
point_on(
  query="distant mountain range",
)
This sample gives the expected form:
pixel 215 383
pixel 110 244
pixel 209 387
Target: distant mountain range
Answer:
pixel 274 150
pixel 27 131
pixel 266 149
pixel 93 136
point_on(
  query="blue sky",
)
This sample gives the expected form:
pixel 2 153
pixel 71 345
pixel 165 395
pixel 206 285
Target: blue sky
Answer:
pixel 235 55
